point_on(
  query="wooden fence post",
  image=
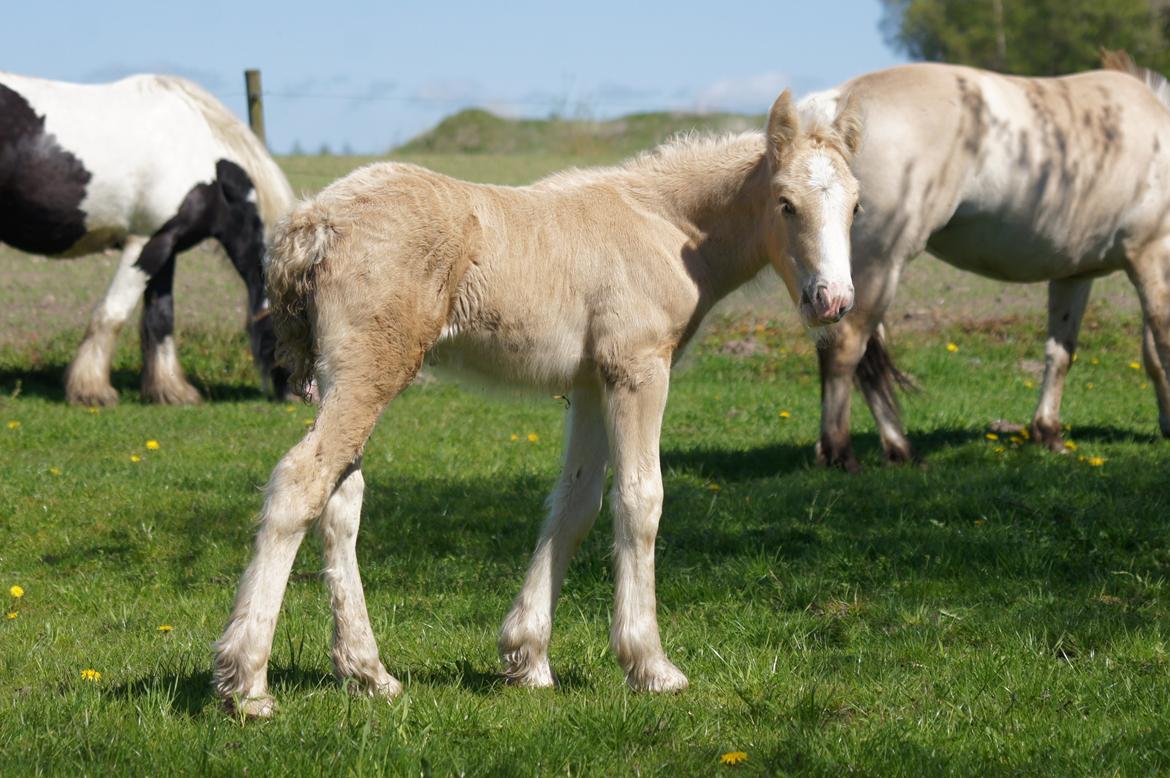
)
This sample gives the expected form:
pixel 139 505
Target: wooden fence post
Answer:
pixel 255 103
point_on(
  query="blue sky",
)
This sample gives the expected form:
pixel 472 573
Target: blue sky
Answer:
pixel 367 76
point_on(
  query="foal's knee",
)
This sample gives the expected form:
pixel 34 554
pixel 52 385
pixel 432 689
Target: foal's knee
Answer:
pixel 640 502
pixel 296 494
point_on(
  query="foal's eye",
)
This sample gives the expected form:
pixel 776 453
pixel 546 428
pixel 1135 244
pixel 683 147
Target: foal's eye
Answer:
pixel 786 206
pixel 857 209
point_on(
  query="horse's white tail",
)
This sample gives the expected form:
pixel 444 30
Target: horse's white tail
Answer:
pixel 299 244
pixel 1120 60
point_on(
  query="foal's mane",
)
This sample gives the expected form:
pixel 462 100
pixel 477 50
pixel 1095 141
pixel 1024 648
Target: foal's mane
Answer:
pixel 273 192
pixel 1120 60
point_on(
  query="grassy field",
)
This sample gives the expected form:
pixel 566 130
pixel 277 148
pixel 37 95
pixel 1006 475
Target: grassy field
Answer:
pixel 1001 611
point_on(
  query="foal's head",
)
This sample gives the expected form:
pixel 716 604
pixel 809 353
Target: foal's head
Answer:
pixel 814 200
pixel 238 227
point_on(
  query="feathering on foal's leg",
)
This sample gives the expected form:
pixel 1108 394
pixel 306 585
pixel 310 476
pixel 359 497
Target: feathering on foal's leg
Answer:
pixel 296 495
pixel 87 381
pixel 572 509
pixel 355 651
pixel 634 404
pixel 1067 299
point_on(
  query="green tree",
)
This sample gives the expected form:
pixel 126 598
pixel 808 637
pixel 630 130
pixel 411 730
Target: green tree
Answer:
pixel 1028 37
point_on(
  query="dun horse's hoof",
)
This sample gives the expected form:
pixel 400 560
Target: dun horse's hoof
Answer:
pixel 90 395
pixel 172 394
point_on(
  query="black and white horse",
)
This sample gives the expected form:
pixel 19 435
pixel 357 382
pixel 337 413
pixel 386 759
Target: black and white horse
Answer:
pixel 152 165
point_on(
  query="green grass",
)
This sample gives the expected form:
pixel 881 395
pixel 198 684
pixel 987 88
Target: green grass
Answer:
pixel 996 613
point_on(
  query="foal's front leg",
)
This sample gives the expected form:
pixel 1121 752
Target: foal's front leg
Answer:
pixel 572 509
pixel 634 408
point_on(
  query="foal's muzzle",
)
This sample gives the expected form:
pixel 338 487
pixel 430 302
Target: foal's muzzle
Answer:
pixel 825 302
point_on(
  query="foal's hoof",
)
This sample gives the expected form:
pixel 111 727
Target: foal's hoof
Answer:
pixel 384 685
pixel 251 708
pixel 658 675
pixel 520 669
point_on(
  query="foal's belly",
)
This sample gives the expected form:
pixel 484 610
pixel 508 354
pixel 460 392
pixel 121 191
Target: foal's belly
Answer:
pixel 1021 253
pixel 539 360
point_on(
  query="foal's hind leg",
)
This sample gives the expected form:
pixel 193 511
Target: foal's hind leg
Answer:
pixel 572 508
pixel 297 494
pixel 1067 299
pixel 355 652
pixel 1155 369
pixel 87 382
pixel 633 418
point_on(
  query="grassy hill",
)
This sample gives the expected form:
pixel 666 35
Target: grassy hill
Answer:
pixel 476 131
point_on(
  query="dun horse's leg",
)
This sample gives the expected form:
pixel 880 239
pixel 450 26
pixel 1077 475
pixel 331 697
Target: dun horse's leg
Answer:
pixel 163 380
pixel 355 652
pixel 1151 275
pixel 839 356
pixel 87 382
pixel 1066 308
pixel 633 418
pixel 572 508
pixel 296 494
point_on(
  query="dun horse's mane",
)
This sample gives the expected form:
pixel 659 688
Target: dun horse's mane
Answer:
pixel 273 192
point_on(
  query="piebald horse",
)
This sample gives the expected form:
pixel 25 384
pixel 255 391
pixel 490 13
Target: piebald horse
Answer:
pixel 1020 179
pixel 589 282
pixel 151 165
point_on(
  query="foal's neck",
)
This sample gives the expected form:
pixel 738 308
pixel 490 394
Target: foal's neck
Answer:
pixel 716 191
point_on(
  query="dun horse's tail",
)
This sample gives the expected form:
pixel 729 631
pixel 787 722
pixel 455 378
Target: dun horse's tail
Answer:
pixel 878 372
pixel 299 244
pixel 1120 60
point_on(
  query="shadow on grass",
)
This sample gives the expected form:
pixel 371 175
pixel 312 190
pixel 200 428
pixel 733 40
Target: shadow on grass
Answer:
pixel 48 383
pixel 188 693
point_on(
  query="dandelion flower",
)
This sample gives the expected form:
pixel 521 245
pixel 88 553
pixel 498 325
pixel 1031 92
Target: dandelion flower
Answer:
pixel 89 674
pixel 135 458
pixel 165 627
pixel 93 409
pixel 290 409
pixel 1135 365
pixel 11 615
pixel 514 437
pixel 952 347
pixel 308 422
pixel 785 415
pixel 16 591
pixel 1000 449
pixel 1094 361
pixel 980 522
pixel 1144 385
pixel 714 487
pixel 733 757
pixel 533 437
pixel 1029 385
pixel 1089 385
pixel 152 445
pixel 54 471
pixel 1015 440
pixel 991 436
pixel 13 424
pixel 1096 461
pixel 1070 445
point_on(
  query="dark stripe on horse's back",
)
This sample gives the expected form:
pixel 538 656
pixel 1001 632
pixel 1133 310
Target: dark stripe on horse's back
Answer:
pixel 41 184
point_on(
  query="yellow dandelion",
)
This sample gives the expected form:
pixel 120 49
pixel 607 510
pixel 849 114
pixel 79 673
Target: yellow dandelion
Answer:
pixel 785 415
pixel 308 422
pixel 152 445
pixel 1076 357
pixel 11 615
pixel 1015 440
pixel 952 347
pixel 1135 365
pixel 1094 361
pixel 1096 461
pixel 991 436
pixel 1070 445
pixel 533 437
pixel 165 627
pixel 16 590
pixel 980 522
pixel 13 424
pixel 135 458
pixel 89 674
pixel 1089 385
pixel 714 487
pixel 54 471
pixel 733 758
pixel 93 409
pixel 290 409
pixel 513 437
pixel 1144 385
pixel 1029 385
pixel 1000 449
pixel 1025 433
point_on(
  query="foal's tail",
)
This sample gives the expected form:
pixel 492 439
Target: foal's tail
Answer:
pixel 299 244
pixel 877 372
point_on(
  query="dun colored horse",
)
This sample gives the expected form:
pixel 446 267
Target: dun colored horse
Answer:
pixel 588 282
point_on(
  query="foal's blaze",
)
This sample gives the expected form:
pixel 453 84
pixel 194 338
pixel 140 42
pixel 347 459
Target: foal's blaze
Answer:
pixel 814 197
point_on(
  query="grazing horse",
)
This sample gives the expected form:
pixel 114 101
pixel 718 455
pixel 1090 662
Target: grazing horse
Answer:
pixel 152 165
pixel 1020 179
pixel 588 282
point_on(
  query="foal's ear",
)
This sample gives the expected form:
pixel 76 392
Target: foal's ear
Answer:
pixel 783 126
pixel 233 181
pixel 848 126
